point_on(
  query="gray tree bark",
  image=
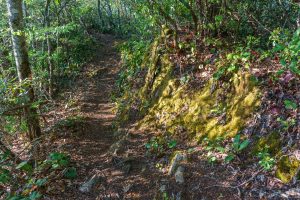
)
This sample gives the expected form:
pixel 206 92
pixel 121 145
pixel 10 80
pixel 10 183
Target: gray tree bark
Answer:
pixel 16 23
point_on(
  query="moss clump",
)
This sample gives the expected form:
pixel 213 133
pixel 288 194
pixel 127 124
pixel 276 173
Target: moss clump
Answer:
pixel 271 141
pixel 176 106
pixel 287 168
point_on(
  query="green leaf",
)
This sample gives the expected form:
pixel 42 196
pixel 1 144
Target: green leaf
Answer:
pixel 283 62
pixel 229 56
pixel 229 158
pixel 219 73
pixel 16 198
pixel 71 173
pixel 172 144
pixel 148 146
pixel 25 166
pixel 220 149
pixel 208 148
pixel 290 104
pixel 41 182
pixel 232 68
pixel 278 47
pixel 55 166
pixel 294 68
pixel 35 195
pixel 243 145
pixel 56 156
pixel 280 72
pixel 63 162
pixel 212 159
pixel 59 160
pixel 4 175
pixel 237 139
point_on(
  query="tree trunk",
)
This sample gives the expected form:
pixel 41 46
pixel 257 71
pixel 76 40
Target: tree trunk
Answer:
pixel 100 14
pixel 169 19
pixel 189 6
pixel 49 48
pixel 15 14
pixel 110 15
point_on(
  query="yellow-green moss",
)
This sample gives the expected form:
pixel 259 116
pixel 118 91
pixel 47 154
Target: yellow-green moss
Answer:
pixel 287 168
pixel 271 141
pixel 177 107
pixel 170 105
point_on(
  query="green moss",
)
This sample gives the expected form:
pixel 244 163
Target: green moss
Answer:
pixel 192 110
pixel 272 142
pixel 287 168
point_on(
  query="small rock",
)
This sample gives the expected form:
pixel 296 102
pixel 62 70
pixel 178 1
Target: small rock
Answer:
pixel 261 178
pixel 88 186
pixel 296 153
pixel 163 188
pixel 178 196
pixel 126 188
pixel 179 175
pixel 118 147
pixel 179 157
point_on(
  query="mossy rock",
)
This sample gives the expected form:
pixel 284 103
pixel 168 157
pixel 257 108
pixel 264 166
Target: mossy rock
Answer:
pixel 287 169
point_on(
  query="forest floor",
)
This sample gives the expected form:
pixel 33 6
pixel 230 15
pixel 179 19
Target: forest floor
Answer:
pixel 118 158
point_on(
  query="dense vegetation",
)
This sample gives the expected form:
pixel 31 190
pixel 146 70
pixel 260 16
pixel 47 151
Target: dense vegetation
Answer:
pixel 219 74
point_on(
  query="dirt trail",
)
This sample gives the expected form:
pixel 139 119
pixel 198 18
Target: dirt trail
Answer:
pixel 93 90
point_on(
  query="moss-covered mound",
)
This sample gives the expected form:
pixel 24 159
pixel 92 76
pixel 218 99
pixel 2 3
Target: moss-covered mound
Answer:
pixel 287 169
pixel 212 111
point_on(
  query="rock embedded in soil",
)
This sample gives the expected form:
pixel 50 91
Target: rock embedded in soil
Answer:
pixel 88 186
pixel 179 175
pixel 163 188
pixel 118 147
pixel 177 159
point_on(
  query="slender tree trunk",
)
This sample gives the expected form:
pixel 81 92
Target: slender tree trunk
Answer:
pixel 119 19
pixel 110 15
pixel 298 18
pixel 58 21
pixel 189 5
pixel 100 14
pixel 49 48
pixel 169 19
pixel 15 14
